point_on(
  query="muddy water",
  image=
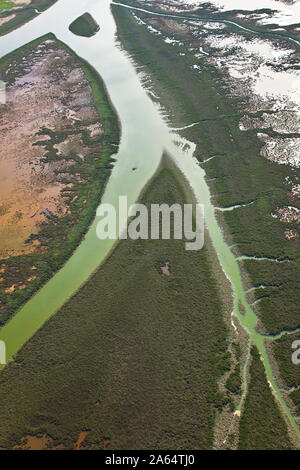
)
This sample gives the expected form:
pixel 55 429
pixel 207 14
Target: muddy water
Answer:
pixel 145 135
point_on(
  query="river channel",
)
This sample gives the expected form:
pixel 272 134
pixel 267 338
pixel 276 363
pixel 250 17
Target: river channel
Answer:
pixel 145 135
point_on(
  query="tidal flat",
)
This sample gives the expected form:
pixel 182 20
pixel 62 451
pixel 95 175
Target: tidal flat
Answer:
pixel 54 162
pixel 235 169
pixel 235 166
pixel 14 13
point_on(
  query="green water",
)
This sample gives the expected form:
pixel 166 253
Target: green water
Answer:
pixel 145 136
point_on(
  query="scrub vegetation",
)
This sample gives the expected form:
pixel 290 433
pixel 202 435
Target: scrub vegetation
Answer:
pixel 282 350
pixel 234 381
pixel 237 173
pixel 5 5
pixel 85 26
pixel 207 10
pixel 262 426
pixel 81 177
pixel 134 357
pixel 12 19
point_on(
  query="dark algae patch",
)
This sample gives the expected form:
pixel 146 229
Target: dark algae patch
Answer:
pixel 262 426
pixel 85 26
pixel 134 357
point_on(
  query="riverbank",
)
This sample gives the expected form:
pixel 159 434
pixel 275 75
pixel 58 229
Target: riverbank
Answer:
pixel 66 155
pixel 144 137
pixel 216 134
pixel 17 16
pixel 156 349
pixel 235 18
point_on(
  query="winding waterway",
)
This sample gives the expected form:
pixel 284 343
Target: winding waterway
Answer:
pixel 145 136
